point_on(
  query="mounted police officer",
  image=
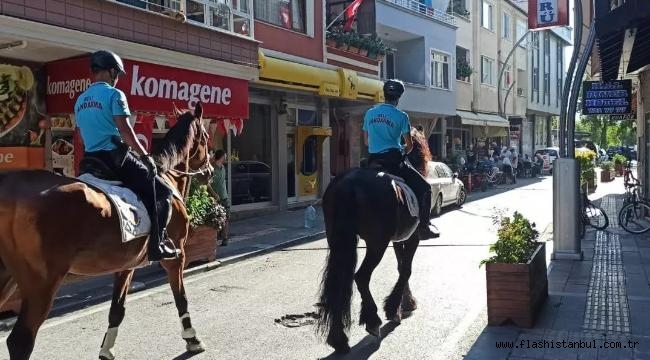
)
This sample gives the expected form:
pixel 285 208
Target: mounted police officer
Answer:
pixel 102 116
pixel 384 127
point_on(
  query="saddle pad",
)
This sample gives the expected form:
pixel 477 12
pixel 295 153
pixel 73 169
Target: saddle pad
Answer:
pixel 134 219
pixel 410 198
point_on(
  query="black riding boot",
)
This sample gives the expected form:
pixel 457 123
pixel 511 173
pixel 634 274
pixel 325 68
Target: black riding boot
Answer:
pixel 160 246
pixel 425 229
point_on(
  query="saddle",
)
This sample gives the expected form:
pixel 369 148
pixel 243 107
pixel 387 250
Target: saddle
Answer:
pixel 97 168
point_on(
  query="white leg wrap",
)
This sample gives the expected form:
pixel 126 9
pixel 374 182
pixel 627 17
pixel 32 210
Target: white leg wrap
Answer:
pixel 107 345
pixel 189 332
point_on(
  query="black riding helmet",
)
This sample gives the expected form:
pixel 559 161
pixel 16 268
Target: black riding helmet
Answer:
pixel 106 60
pixel 393 89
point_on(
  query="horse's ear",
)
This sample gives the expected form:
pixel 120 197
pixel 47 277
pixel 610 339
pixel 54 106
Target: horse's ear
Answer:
pixel 177 111
pixel 198 110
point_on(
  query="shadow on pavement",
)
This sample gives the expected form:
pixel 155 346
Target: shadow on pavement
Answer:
pixel 185 356
pixel 477 194
pixel 366 347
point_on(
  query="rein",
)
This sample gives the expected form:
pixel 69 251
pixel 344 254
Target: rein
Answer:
pixel 205 167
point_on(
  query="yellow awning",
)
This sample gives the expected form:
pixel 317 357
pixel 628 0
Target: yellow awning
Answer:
pixel 341 83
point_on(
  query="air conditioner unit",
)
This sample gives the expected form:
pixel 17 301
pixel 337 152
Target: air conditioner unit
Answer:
pixel 520 91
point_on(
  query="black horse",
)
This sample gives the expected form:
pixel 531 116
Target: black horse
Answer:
pixel 364 202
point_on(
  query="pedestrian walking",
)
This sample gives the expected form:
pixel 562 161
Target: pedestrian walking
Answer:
pixel 219 192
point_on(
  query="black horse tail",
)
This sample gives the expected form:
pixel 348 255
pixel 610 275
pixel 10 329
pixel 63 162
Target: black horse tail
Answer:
pixel 339 208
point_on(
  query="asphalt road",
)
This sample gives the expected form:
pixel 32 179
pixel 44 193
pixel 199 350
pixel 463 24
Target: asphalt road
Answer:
pixel 238 309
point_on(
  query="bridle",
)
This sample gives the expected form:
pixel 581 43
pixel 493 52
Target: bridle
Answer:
pixel 205 167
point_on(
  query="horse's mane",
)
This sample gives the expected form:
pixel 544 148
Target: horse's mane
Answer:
pixel 420 155
pixel 176 144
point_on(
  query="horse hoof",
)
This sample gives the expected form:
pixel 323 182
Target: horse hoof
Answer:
pixel 105 357
pixel 195 348
pixel 397 318
pixel 374 331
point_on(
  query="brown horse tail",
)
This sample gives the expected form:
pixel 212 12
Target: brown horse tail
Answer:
pixel 336 286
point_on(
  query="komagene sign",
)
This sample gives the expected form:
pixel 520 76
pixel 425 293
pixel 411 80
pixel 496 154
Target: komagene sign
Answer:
pixel 544 14
pixel 151 87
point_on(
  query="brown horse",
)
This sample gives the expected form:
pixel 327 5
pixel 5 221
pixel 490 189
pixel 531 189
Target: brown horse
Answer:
pixel 51 226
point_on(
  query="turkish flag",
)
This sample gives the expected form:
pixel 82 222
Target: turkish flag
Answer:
pixel 144 130
pixel 351 14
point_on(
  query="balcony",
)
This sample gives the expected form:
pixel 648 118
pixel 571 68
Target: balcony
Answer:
pixel 424 10
pixel 230 18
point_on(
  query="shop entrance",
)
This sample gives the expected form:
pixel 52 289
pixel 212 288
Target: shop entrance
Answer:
pixel 303 154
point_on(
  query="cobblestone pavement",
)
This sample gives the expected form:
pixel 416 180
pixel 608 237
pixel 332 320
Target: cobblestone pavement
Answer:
pixel 597 307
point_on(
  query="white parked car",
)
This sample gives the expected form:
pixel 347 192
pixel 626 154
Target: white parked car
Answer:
pixel 446 188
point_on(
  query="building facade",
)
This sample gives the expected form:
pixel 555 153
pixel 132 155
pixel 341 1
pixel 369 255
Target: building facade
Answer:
pixel 49 42
pixel 422 38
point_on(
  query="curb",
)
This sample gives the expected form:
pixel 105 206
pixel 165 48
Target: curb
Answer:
pixel 7 324
pixel 237 258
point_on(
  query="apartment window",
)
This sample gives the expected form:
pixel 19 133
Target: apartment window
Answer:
pixel 458 7
pixel 463 63
pixel 487 19
pixel 546 99
pixel 388 67
pixel 155 5
pixel 505 27
pixel 223 14
pixel 521 31
pixel 535 65
pixel 289 14
pixel 560 73
pixel 440 70
pixel 507 76
pixel 487 70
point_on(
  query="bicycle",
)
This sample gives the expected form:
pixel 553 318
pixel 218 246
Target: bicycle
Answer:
pixel 592 215
pixel 634 216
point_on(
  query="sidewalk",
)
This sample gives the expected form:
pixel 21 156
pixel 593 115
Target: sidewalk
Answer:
pixel 249 237
pixel 603 300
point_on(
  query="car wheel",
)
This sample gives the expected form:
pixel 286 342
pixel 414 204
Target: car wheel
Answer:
pixel 437 207
pixel 461 197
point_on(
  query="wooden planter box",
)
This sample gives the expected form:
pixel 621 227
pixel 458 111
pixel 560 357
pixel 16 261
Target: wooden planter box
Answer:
pixel 619 169
pixel 607 176
pixel 516 292
pixel 201 245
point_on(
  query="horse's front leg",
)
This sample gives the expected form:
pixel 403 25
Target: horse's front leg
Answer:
pixel 121 286
pixel 174 270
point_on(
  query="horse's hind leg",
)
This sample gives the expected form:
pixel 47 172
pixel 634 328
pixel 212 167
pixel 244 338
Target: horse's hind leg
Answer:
pixel 37 297
pixel 374 252
pixel 116 314
pixel 174 270
pixel 404 253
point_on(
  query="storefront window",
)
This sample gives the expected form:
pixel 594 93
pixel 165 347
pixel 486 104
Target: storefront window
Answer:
pixel 251 156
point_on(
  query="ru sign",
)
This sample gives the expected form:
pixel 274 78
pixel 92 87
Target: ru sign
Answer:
pixel 547 12
pixel 544 14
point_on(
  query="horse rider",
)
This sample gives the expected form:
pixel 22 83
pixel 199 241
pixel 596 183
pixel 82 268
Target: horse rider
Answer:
pixel 102 116
pixel 384 126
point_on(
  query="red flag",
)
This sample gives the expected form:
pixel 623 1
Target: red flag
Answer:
pixel 351 14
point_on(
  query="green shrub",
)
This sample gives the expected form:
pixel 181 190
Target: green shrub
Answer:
pixel 619 159
pixel 586 158
pixel 516 241
pixel 607 165
pixel 203 209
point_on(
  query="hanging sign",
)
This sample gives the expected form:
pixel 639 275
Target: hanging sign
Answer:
pixel 606 98
pixel 545 14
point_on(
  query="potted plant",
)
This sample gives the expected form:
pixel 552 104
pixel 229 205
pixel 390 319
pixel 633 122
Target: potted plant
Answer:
pixel 354 42
pixel 364 46
pixel 463 69
pixel 332 37
pixel 619 162
pixel 516 275
pixel 206 219
pixel 587 159
pixel 607 174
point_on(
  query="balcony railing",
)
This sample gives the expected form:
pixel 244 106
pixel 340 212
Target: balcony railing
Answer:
pixel 213 14
pixel 422 9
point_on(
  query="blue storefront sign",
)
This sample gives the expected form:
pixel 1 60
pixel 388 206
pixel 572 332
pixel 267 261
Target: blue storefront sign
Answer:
pixel 606 98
